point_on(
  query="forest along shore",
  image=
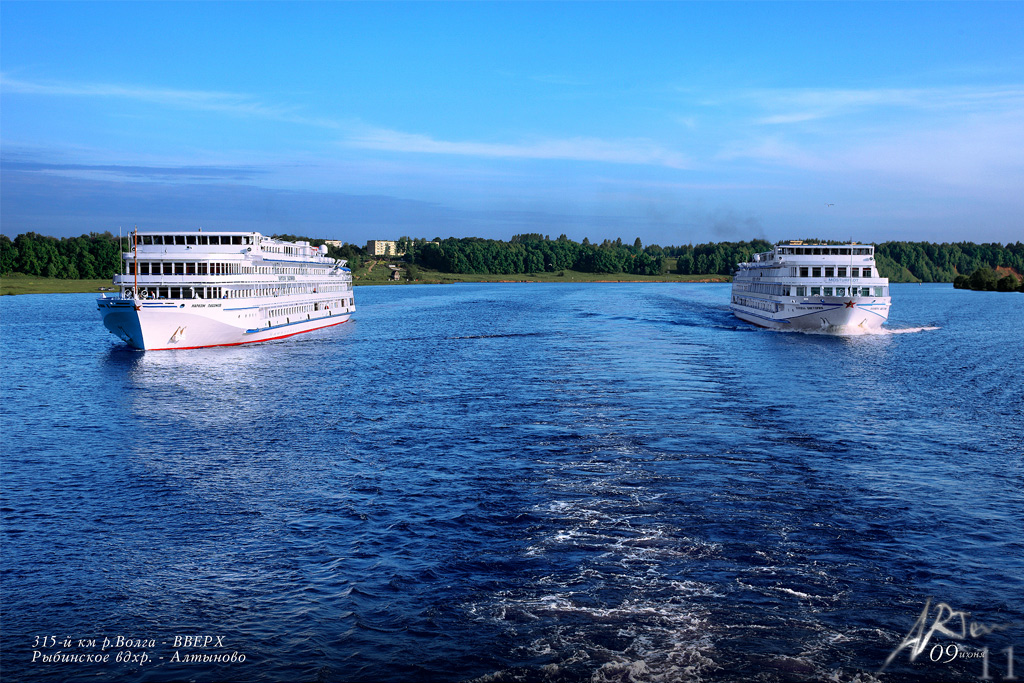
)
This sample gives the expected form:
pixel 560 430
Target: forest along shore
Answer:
pixel 33 263
pixel 18 283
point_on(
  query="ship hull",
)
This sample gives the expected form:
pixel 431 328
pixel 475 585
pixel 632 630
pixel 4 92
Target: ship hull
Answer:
pixel 837 317
pixel 160 327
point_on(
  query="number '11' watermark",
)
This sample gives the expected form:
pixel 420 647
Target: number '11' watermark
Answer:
pixel 951 652
pixel 1009 665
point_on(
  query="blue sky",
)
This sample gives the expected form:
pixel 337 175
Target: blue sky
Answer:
pixel 673 122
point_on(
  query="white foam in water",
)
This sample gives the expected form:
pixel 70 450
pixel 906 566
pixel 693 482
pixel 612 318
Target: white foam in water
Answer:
pixel 828 641
pixel 660 621
pixel 883 331
pixel 790 591
pixel 908 330
pixel 674 647
pixel 861 332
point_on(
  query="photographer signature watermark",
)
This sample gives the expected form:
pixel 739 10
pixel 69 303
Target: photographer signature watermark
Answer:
pixel 953 624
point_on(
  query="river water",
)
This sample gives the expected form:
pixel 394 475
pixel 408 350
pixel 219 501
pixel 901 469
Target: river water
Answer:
pixel 517 482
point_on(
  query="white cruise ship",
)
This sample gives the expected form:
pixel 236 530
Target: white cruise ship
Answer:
pixel 831 288
pixel 187 290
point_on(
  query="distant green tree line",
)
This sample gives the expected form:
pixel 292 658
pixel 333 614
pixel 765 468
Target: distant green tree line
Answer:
pixel 534 253
pixel 928 262
pixel 97 255
pixel 988 280
pixel 714 258
pixel 899 261
pixel 92 256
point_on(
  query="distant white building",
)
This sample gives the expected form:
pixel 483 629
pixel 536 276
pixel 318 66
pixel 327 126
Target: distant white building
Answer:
pixel 333 243
pixel 383 248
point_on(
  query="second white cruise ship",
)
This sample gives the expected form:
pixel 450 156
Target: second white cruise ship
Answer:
pixel 187 290
pixel 834 288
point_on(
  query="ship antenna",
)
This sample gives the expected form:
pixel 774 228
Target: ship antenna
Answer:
pixel 850 272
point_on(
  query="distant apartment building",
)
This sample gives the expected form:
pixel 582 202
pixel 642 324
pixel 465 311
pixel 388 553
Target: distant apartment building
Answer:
pixel 383 248
pixel 333 243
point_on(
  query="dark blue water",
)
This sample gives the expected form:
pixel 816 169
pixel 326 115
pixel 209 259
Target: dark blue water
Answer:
pixel 516 483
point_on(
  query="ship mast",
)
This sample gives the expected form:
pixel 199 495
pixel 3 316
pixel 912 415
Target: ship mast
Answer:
pixel 135 254
pixel 850 272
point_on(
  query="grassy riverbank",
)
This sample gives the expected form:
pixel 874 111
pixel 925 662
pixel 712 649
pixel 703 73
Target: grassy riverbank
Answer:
pixel 377 273
pixel 16 283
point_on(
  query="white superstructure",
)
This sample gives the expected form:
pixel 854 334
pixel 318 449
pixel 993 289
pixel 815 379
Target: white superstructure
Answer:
pixel 831 288
pixel 186 290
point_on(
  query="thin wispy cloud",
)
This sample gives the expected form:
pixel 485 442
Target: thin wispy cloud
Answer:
pixel 958 136
pixel 190 99
pixel 644 152
pixel 135 172
pixel 793 106
pixel 629 151
pixel 235 104
pixel 982 151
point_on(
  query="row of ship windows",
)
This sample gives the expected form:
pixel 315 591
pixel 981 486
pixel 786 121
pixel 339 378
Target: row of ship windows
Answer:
pixel 203 268
pixel 215 241
pixel 791 290
pixel 815 271
pixel 760 288
pixel 759 304
pixel 168 268
pixel 834 271
pixel 306 308
pixel 773 306
pixel 282 250
pixel 825 251
pixel 179 293
pixel 842 291
pixel 204 240
pixel 225 293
